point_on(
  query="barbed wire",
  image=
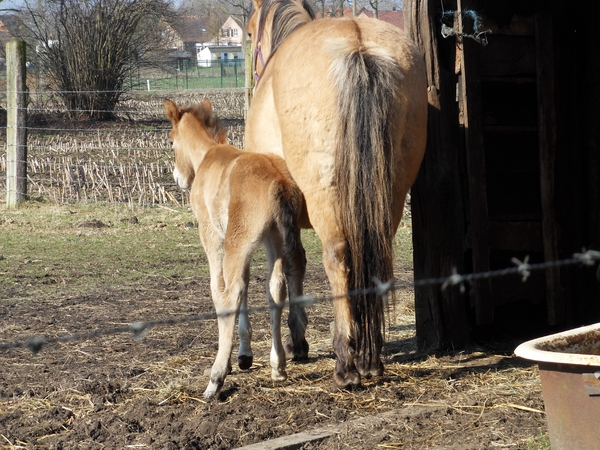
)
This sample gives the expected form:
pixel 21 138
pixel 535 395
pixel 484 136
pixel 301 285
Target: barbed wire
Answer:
pixel 478 34
pixel 139 330
pixel 144 91
pixel 92 130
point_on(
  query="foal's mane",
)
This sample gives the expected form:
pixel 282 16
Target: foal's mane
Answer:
pixel 288 15
pixel 209 122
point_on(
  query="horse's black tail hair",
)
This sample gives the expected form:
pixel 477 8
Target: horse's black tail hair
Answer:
pixel 366 77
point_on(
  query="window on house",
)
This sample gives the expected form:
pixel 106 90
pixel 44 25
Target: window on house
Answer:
pixel 234 32
pixel 225 33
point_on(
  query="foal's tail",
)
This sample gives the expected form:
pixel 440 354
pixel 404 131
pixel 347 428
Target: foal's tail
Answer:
pixel 289 200
pixel 366 77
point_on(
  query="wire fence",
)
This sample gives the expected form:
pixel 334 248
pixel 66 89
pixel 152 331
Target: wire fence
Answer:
pixel 128 160
pixel 138 330
pixel 172 74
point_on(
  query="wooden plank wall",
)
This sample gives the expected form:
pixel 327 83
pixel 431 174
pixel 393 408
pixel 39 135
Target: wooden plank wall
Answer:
pixel 511 169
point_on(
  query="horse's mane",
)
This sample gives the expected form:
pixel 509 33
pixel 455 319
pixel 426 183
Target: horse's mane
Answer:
pixel 288 15
pixel 210 122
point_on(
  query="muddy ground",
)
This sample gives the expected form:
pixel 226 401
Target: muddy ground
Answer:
pixel 117 392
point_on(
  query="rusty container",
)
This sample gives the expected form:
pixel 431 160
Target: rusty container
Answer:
pixel 569 364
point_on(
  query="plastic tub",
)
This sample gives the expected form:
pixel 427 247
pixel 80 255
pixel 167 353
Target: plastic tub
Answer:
pixel 569 365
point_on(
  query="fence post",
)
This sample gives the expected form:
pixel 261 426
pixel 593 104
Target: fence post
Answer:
pixel 16 120
pixel 248 76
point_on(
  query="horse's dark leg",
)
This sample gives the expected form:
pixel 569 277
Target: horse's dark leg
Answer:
pixel 296 346
pixel 245 357
pixel 345 374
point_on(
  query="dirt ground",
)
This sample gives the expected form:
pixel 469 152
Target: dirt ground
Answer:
pixel 118 392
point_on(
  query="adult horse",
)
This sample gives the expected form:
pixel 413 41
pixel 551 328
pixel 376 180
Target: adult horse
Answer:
pixel 344 102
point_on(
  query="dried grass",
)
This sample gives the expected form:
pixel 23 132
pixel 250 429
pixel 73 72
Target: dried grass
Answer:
pixel 127 162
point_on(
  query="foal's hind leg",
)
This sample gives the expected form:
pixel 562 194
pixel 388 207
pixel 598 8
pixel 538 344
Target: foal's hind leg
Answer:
pixel 276 293
pixel 235 265
pixel 296 346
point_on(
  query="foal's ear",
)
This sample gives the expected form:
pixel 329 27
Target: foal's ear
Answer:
pixel 221 136
pixel 207 106
pixel 172 111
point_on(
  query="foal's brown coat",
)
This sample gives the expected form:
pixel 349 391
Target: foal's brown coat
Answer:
pixel 241 200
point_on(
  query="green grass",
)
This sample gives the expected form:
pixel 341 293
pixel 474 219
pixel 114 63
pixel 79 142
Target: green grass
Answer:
pixel 195 83
pixel 538 442
pixel 47 249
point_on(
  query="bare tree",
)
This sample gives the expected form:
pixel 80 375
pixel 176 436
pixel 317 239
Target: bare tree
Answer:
pixel 87 48
pixel 239 9
pixel 212 11
pixel 375 6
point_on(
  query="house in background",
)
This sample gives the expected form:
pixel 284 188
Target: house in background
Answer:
pixel 225 47
pixel 9 27
pixel 182 37
pixel 192 32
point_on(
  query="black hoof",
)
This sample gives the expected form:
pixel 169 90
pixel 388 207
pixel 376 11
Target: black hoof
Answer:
pixel 295 353
pixel 244 362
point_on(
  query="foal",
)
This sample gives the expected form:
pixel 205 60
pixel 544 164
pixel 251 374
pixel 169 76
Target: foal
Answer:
pixel 241 200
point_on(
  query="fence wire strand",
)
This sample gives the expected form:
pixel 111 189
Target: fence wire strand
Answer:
pixel 138 330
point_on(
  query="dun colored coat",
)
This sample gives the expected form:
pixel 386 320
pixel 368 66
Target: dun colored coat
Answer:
pixel 344 101
pixel 241 200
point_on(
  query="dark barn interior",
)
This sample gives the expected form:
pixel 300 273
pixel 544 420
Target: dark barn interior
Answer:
pixel 512 168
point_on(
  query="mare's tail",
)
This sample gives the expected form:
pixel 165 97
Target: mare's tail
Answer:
pixel 366 77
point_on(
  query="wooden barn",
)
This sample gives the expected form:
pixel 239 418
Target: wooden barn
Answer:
pixel 512 167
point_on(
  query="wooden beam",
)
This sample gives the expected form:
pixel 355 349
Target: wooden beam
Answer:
pixel 547 149
pixel 436 198
pixel 470 99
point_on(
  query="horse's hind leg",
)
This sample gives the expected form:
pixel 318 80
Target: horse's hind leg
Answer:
pixel 245 357
pixel 345 374
pixel 296 346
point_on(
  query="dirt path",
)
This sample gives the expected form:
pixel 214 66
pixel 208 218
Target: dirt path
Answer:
pixel 116 392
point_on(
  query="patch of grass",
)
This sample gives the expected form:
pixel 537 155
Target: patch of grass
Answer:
pixel 50 249
pixel 403 246
pixel 540 441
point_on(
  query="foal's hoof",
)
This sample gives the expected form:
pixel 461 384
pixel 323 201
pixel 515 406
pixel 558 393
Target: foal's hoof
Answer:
pixel 212 390
pixel 278 375
pixel 298 353
pixel 245 361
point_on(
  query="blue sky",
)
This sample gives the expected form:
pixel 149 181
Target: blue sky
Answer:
pixel 7 4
